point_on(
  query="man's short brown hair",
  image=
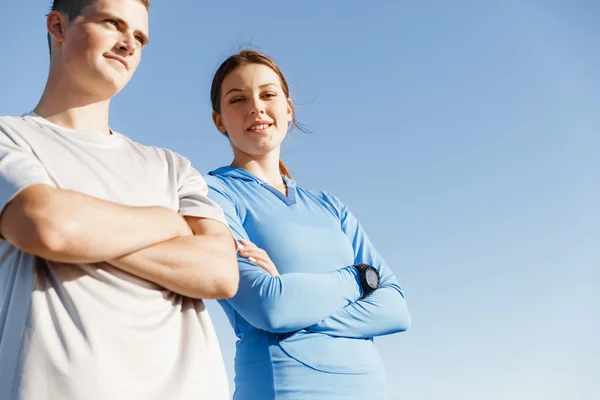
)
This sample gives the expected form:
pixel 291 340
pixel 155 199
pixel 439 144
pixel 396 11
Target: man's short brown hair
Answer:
pixel 73 9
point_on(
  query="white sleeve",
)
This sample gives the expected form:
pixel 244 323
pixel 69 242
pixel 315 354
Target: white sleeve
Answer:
pixel 19 167
pixel 193 195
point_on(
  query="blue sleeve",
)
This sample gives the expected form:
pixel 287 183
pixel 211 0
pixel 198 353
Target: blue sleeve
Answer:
pixel 381 313
pixel 288 302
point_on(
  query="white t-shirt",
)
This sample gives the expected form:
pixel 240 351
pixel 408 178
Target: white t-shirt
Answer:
pixel 93 331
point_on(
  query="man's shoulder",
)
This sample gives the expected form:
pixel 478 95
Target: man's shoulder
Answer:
pixel 12 125
pixel 147 148
pixel 172 158
pixel 8 117
pixel 8 120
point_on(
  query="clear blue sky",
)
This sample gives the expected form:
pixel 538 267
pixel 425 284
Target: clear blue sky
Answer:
pixel 465 137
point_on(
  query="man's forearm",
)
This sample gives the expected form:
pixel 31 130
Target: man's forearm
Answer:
pixel 199 266
pixel 67 226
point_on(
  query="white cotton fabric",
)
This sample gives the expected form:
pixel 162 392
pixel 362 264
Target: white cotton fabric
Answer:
pixel 93 332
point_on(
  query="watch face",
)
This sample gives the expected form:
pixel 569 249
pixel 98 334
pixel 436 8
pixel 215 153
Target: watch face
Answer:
pixel 372 278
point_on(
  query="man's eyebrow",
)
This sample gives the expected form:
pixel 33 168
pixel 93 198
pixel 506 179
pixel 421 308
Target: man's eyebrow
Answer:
pixel 264 85
pixel 122 22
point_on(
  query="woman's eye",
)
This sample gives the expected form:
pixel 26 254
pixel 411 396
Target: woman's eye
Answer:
pixel 112 22
pixel 140 39
pixel 236 100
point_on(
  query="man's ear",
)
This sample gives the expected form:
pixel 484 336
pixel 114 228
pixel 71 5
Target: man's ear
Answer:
pixel 218 121
pixel 55 23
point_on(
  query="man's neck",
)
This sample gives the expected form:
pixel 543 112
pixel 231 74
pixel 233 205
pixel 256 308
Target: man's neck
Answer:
pixel 73 110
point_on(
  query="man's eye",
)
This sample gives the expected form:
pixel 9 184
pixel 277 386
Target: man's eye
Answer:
pixel 112 22
pixel 140 39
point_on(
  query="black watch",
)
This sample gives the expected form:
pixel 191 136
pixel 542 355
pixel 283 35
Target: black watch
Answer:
pixel 369 278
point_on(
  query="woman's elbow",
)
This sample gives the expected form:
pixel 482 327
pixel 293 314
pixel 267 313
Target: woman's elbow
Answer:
pixel 398 310
pixel 276 322
pixel 402 318
pixel 273 319
pixel 404 322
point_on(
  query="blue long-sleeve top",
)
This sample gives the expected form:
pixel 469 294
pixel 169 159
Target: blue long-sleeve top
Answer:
pixel 313 308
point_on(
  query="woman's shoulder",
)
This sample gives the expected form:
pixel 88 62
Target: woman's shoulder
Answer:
pixel 322 195
pixel 324 198
pixel 220 188
pixel 214 181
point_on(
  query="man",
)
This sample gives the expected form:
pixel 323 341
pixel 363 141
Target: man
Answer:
pixel 107 245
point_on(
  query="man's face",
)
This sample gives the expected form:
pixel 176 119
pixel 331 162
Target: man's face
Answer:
pixel 102 47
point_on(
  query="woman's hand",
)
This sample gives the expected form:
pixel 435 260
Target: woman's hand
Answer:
pixel 257 256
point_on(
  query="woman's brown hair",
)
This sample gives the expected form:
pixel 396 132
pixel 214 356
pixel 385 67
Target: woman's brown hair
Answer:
pixel 243 58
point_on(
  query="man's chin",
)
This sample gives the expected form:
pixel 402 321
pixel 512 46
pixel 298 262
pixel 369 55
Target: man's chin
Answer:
pixel 112 86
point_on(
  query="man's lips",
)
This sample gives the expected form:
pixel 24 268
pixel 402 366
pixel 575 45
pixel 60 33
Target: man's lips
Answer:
pixel 119 59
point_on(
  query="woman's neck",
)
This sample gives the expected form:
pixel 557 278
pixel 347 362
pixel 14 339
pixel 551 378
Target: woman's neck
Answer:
pixel 264 167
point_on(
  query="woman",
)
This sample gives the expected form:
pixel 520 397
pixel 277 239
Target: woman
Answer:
pixel 313 290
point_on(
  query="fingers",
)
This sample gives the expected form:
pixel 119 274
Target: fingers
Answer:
pixel 248 244
pixel 256 253
pixel 267 266
pixel 249 249
pixel 258 256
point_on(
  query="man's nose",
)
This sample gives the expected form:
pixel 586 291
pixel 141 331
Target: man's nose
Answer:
pixel 127 44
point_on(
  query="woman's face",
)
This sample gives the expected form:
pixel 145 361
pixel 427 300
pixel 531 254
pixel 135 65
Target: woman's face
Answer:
pixel 255 112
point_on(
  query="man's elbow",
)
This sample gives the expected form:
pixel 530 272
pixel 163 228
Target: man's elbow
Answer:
pixel 223 285
pixel 229 278
pixel 228 283
pixel 58 237
pixel 38 230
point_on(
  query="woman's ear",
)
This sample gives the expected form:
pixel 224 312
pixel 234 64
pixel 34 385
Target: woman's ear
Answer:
pixel 290 110
pixel 218 121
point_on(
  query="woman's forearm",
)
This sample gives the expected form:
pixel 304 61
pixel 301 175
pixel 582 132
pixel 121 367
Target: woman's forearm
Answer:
pixel 290 302
pixel 382 313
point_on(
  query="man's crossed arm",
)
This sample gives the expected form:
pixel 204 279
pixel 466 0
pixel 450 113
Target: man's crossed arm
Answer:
pixel 195 257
